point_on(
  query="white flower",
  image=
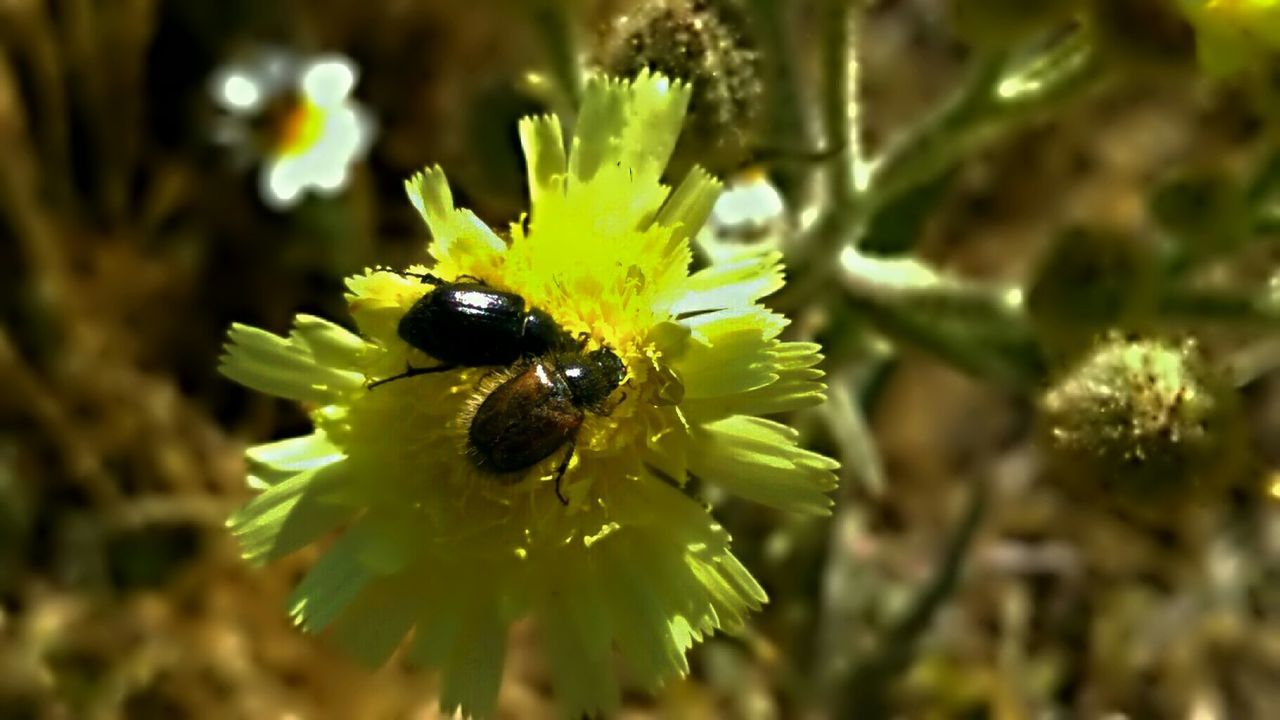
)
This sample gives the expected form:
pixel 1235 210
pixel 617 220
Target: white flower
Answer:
pixel 749 218
pixel 313 129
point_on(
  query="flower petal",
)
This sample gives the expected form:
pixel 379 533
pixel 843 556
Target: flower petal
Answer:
pixel 708 327
pixel 632 124
pixel 689 206
pixel 734 356
pixel 798 386
pixel 283 367
pixel 731 590
pixel 641 624
pixel 667 448
pixel 759 460
pixel 331 584
pixel 578 635
pixel 543 145
pixel 289 514
pixel 473 673
pixel 329 79
pixel 294 455
pixel 377 622
pixel 329 343
pixel 378 299
pixel 738 283
pixel 661 580
pixel 459 236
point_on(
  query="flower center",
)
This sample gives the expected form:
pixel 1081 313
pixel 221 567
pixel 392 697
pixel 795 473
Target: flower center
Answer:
pixel 298 127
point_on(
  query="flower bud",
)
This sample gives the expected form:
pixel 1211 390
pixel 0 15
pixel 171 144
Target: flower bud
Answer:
pixel 1146 424
pixel 1089 282
pixel 705 43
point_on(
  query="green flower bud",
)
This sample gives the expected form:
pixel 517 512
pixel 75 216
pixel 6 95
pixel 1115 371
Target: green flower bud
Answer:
pixel 1146 424
pixel 706 43
pixel 1089 282
pixel 998 23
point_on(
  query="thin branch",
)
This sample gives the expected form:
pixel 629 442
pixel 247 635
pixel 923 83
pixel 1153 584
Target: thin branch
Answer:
pixel 980 328
pixel 790 123
pixel 859 456
pixel 840 24
pixel 1254 309
pixel 866 693
pixel 554 21
pixel 993 99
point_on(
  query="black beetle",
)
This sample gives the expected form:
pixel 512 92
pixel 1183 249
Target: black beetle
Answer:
pixel 469 324
pixel 541 408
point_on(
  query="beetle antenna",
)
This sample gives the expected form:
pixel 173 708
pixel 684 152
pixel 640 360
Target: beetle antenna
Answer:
pixel 411 371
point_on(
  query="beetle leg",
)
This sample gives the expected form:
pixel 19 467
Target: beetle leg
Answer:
pixel 472 278
pixel 411 371
pixel 560 471
pixel 604 410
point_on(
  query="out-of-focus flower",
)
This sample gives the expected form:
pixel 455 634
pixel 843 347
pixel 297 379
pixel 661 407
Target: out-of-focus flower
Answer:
pixel 748 217
pixel 749 206
pixel 1232 35
pixel 298 119
pixel 631 568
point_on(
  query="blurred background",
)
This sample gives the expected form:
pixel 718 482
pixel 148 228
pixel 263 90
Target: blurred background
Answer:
pixel 985 558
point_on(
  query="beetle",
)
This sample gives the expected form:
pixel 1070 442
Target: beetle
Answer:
pixel 540 409
pixel 470 324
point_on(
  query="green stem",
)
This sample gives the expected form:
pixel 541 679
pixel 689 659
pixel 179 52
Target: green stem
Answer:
pixel 993 100
pixel 555 23
pixel 1249 363
pixel 1249 309
pixel 927 150
pixel 789 123
pixel 858 454
pixel 840 22
pixel 977 327
pixel 866 692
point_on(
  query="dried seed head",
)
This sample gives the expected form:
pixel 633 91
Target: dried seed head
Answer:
pixel 1147 422
pixel 706 43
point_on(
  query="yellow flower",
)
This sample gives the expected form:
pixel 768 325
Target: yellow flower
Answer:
pixel 1232 35
pixel 631 565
